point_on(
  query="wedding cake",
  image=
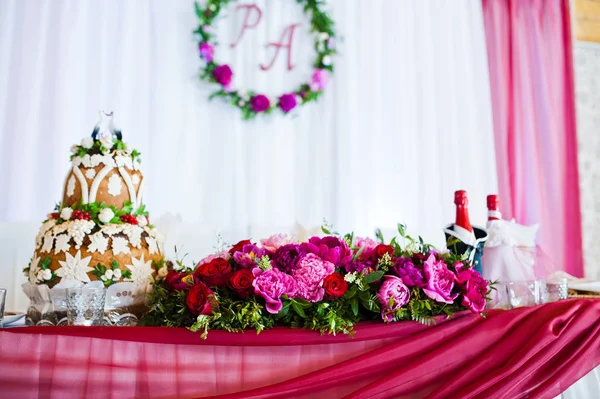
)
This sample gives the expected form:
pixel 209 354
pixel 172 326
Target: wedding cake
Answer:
pixel 101 230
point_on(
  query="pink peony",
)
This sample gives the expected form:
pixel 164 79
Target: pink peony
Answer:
pixel 288 102
pixel 210 258
pixel 259 103
pixel 309 275
pixel 440 281
pixel 223 75
pixel 392 289
pixel 411 275
pixel 207 51
pixel 248 255
pixel 331 249
pixel 272 285
pixel 273 243
pixel 369 247
pixel 474 287
pixel 319 79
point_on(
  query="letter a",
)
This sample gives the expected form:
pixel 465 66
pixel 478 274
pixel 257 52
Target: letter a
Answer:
pixel 289 32
pixel 247 25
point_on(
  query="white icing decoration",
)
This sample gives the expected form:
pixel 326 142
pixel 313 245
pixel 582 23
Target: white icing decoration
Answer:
pixel 86 161
pixel 107 141
pixel 78 229
pixel 152 247
pixel 129 184
pixel 66 213
pixel 71 186
pixel 142 220
pixel 141 271
pixel 134 234
pixel 47 225
pixel 112 229
pixel 48 243
pixel 75 268
pixel 124 160
pixel 34 268
pixel 114 185
pixel 120 246
pixel 62 243
pixel 98 243
pixel 90 173
pixel 61 228
pixel 96 160
pixel 96 183
pixel 106 215
pixel 83 183
pixel 140 192
pixel 135 179
pixel 87 142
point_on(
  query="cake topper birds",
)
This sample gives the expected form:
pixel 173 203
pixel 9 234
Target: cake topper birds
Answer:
pixel 106 128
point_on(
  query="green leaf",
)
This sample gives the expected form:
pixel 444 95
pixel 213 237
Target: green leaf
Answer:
pixel 354 306
pixel 357 254
pixel 325 230
pixel 402 230
pixel 373 277
pixel 298 309
pixel 379 236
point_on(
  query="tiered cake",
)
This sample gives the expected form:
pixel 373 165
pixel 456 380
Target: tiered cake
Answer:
pixel 100 231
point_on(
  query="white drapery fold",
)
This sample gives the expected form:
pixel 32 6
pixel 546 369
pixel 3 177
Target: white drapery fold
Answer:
pixel 405 121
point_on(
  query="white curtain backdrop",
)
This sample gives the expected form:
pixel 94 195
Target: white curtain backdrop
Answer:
pixel 405 121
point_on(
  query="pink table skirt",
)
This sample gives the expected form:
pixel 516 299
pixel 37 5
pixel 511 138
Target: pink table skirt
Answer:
pixel 527 352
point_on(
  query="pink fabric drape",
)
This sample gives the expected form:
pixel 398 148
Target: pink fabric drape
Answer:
pixel 531 74
pixel 535 352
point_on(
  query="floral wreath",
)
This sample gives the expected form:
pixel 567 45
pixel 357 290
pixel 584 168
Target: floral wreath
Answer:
pixel 252 103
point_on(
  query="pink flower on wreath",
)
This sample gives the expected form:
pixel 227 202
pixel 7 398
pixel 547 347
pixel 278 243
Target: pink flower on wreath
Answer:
pixel 273 243
pixel 223 75
pixel 309 274
pixel 319 79
pixel 207 51
pixel 474 287
pixel 288 102
pixel 272 285
pixel 440 281
pixel 393 291
pixel 259 103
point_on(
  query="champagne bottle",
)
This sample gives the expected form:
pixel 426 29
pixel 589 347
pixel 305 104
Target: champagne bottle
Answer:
pixel 462 224
pixel 493 205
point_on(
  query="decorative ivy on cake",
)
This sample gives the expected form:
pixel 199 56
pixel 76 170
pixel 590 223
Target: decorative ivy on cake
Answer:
pixel 252 103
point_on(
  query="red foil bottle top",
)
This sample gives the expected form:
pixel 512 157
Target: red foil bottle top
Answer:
pixel 460 197
pixel 493 202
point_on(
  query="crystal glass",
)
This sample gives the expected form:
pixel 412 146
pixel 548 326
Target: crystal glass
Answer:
pixel 85 306
pixel 499 297
pixel 527 293
pixel 2 302
pixel 558 289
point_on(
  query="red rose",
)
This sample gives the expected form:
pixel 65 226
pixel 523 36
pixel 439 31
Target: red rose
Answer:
pixel 198 299
pixel 241 282
pixel 176 281
pixel 55 215
pixel 214 273
pixel 239 246
pixel 335 285
pixel 383 249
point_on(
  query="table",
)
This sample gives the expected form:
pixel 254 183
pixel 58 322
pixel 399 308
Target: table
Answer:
pixel 527 352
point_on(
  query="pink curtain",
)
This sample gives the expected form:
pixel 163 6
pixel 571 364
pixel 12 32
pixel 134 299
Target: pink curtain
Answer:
pixel 531 75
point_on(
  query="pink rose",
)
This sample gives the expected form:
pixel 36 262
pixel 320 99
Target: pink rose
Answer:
pixel 440 281
pixel 319 79
pixel 474 287
pixel 223 75
pixel 207 51
pixel 259 103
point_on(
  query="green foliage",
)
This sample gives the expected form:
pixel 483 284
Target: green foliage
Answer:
pixel 94 209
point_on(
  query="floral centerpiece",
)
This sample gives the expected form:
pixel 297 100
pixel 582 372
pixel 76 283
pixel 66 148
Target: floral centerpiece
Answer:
pixel 327 284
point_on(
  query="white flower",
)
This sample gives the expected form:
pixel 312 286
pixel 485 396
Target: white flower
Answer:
pixel 212 7
pixel 106 215
pixel 40 276
pixel 86 161
pixel 141 271
pixel 117 274
pixel 241 103
pixel 74 149
pixel 98 243
pixel 323 36
pixel 326 60
pixel 321 47
pixel 87 142
pixel 47 274
pixel 107 141
pixel 66 213
pixel 120 246
pixel 75 268
pixel 108 275
pixel 142 220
